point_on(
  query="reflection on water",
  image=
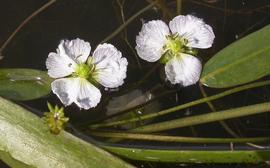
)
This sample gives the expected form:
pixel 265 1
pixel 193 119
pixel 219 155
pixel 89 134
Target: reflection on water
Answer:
pixel 126 101
pixel 130 100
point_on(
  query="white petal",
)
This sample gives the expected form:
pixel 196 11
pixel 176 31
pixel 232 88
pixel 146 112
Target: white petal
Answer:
pixel 151 40
pixel 77 49
pixel 184 70
pixel 88 95
pixel 110 67
pixel 65 90
pixel 59 65
pixel 198 34
pixel 77 90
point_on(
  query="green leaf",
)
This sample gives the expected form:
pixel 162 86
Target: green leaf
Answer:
pixel 243 61
pixel 24 84
pixel 25 142
pixel 204 118
pixel 192 156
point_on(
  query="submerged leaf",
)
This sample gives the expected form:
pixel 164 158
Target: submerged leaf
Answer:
pixel 243 61
pixel 26 142
pixel 24 84
pixel 192 156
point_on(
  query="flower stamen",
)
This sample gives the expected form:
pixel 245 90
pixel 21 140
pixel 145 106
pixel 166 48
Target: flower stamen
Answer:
pixel 174 43
pixel 173 47
pixel 83 71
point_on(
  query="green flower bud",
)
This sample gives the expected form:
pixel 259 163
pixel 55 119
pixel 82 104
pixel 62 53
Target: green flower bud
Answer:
pixel 55 118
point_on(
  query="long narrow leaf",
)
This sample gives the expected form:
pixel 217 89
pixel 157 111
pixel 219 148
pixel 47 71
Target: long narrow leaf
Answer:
pixel 26 142
pixel 192 156
pixel 243 61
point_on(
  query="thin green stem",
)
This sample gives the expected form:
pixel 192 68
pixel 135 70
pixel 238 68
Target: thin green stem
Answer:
pixel 134 53
pixel 186 105
pixel 167 14
pixel 164 138
pixel 178 6
pixel 222 123
pixel 141 81
pixel 122 27
pixel 212 107
pixel 24 23
pixel 125 36
pixel 191 156
pixel 205 118
pixel 148 74
pixel 245 32
pixel 218 8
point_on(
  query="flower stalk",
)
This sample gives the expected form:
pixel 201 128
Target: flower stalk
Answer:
pixel 205 118
pixel 183 106
pixel 165 138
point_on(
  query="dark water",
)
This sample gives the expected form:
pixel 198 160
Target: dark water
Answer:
pixel 94 20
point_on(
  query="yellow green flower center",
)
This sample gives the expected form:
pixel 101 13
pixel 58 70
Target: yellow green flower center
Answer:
pixel 175 45
pixel 83 71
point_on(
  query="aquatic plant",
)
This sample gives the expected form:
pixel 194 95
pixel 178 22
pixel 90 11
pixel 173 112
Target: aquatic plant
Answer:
pixel 174 46
pixel 72 60
pixel 91 87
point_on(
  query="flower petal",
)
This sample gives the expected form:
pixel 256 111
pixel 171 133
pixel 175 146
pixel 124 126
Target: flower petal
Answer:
pixel 65 90
pixel 77 49
pixel 88 95
pixel 59 65
pixel 151 40
pixel 184 70
pixel 110 67
pixel 198 34
pixel 77 90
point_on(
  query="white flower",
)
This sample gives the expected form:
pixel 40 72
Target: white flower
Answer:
pixel 174 45
pixel 77 72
